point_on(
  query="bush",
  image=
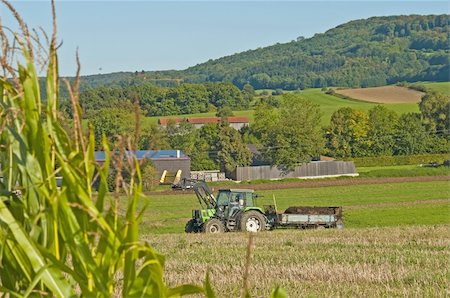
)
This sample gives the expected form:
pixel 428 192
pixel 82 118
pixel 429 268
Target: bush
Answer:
pixel 330 91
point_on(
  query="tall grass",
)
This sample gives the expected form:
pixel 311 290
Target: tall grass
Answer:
pixel 60 241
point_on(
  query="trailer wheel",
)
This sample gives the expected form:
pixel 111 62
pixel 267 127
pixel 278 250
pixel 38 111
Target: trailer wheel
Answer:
pixel 190 227
pixel 213 226
pixel 252 221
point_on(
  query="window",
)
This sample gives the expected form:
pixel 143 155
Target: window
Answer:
pixel 223 198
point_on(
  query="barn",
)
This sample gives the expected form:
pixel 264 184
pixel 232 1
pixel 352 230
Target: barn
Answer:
pixel 164 161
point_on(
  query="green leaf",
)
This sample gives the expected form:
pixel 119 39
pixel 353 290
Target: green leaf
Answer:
pixel 51 277
pixel 209 290
pixel 185 290
pixel 278 293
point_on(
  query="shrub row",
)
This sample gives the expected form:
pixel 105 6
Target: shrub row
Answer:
pixel 398 160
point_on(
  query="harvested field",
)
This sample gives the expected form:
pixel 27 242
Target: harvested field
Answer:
pixel 371 262
pixel 386 94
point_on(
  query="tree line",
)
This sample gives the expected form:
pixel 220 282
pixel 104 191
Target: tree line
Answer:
pixel 288 133
pixel 162 101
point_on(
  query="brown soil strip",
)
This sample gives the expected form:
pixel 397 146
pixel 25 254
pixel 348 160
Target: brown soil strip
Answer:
pixel 386 94
pixel 318 183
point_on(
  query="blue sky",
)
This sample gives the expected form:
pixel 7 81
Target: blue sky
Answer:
pixel 117 36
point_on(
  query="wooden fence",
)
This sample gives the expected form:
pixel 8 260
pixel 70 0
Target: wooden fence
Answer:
pixel 314 169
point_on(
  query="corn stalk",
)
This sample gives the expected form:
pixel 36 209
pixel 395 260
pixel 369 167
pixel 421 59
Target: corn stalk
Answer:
pixel 65 240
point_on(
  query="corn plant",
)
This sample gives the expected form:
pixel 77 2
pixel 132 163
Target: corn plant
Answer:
pixel 66 240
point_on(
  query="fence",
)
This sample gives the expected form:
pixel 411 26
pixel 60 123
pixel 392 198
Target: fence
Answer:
pixel 314 169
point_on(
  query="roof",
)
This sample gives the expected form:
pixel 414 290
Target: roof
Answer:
pixel 238 119
pixel 236 190
pixel 150 154
pixel 165 121
pixel 203 120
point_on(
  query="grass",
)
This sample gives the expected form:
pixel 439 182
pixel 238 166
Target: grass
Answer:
pixel 169 213
pixel 441 87
pixel 402 171
pixel 154 119
pixel 410 261
pixel 329 104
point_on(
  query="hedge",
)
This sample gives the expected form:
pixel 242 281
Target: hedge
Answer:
pixel 398 160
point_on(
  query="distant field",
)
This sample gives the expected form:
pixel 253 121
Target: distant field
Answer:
pixel 328 105
pixel 441 87
pixel 385 94
pixel 154 119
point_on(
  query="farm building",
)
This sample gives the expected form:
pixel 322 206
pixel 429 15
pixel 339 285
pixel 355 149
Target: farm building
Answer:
pixel 234 122
pixel 169 161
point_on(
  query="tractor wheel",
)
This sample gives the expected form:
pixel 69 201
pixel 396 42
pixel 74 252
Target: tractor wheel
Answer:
pixel 252 221
pixel 213 226
pixel 190 227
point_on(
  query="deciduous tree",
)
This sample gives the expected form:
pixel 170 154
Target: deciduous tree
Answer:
pixel 289 135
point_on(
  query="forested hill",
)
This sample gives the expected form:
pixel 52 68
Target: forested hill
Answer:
pixel 371 52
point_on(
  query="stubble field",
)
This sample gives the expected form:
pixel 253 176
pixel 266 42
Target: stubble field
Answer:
pixel 407 261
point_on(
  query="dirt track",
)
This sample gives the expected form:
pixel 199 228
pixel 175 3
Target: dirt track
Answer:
pixel 321 183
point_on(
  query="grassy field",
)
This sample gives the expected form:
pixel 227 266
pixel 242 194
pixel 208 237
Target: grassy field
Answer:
pixel 328 104
pixel 402 171
pixel 154 120
pixel 407 261
pixel 441 87
pixel 389 204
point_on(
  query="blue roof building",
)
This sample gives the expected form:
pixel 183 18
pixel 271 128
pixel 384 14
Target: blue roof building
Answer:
pixel 171 161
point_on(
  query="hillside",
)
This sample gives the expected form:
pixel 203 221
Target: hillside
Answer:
pixel 361 53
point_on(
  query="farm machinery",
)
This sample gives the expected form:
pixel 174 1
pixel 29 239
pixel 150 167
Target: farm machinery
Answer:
pixel 237 210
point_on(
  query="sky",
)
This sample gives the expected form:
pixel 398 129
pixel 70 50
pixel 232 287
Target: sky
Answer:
pixel 114 36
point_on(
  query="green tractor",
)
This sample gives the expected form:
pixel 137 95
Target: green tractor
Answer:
pixel 232 210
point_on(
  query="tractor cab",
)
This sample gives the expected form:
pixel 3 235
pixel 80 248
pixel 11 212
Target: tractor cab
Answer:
pixel 231 201
pixel 243 197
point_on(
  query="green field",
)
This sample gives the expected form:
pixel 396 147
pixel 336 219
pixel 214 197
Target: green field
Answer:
pixel 402 171
pixel 389 203
pixel 328 104
pixel 154 119
pixel 441 87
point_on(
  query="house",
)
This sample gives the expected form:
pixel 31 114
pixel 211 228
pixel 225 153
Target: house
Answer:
pixel 164 161
pixel 236 122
